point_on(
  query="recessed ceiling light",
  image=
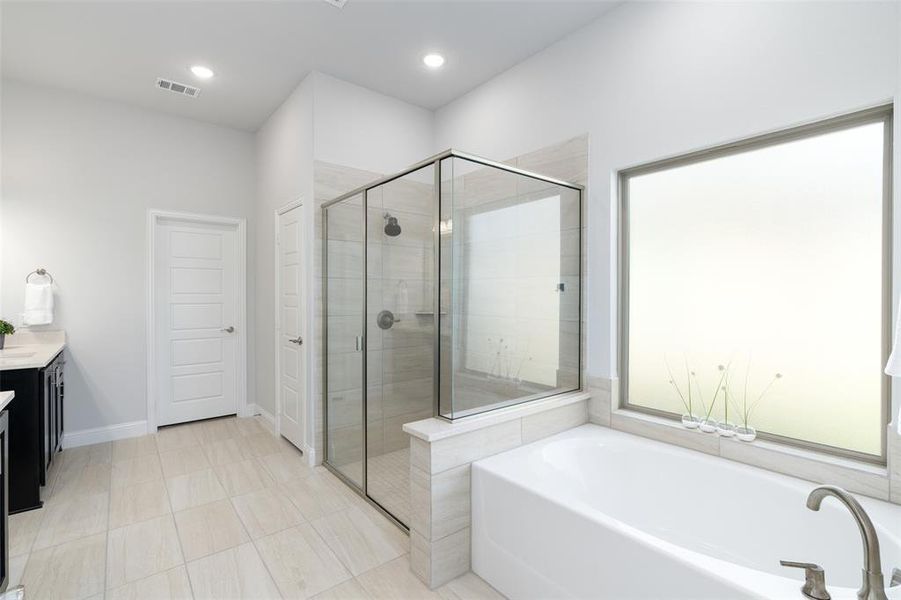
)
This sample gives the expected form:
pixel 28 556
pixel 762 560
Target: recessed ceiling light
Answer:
pixel 433 61
pixel 202 72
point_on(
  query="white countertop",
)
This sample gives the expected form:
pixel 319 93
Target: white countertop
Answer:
pixel 5 398
pixel 31 350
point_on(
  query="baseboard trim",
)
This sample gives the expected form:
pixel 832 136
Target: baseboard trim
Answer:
pixel 256 409
pixel 98 435
pixel 310 454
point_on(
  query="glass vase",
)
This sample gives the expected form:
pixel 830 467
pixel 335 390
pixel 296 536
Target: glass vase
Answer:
pixel 746 434
pixel 725 429
pixel 690 421
pixel 708 425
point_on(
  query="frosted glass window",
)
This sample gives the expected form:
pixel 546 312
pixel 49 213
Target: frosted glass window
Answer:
pixel 765 259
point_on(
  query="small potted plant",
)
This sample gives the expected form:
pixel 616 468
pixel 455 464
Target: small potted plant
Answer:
pixel 725 428
pixel 689 420
pixel 709 424
pixel 745 432
pixel 6 328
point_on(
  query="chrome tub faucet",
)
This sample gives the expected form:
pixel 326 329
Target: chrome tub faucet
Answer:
pixel 873 585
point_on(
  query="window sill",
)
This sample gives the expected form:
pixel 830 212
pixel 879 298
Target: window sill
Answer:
pixel 863 478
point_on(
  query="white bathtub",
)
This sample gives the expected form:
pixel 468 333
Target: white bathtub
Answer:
pixel 596 513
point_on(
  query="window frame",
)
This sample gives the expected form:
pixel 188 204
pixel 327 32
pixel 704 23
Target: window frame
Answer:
pixel 882 113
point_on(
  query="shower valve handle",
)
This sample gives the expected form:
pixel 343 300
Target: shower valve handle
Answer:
pixel 386 319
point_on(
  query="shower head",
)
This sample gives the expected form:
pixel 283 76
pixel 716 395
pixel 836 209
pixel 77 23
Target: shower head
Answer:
pixel 392 229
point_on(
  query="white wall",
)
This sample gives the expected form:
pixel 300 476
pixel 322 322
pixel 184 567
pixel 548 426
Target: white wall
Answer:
pixel 650 80
pixel 284 156
pixel 328 120
pixel 356 127
pixel 78 177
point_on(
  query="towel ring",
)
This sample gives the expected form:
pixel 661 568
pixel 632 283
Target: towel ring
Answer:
pixel 39 271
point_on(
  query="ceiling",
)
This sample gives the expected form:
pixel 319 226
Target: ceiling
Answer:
pixel 260 50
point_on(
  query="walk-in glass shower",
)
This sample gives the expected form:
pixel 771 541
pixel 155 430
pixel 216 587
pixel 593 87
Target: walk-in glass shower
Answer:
pixel 450 289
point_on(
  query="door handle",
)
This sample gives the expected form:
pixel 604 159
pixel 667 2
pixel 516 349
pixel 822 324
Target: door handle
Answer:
pixel 298 340
pixel 228 329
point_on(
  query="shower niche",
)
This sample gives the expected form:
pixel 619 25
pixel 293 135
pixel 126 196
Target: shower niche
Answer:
pixel 450 289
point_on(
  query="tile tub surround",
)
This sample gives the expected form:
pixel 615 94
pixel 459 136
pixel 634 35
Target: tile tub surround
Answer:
pixel 441 453
pixel 151 517
pixel 883 483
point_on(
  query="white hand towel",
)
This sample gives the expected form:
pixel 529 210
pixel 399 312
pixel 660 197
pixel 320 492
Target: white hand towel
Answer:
pixel 893 366
pixel 38 304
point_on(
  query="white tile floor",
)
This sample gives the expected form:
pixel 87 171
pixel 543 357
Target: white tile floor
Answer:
pixel 215 509
pixel 389 482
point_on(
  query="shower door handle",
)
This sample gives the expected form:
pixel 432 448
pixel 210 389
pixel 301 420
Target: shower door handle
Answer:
pixel 359 343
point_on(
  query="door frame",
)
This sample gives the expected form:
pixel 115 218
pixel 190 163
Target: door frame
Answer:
pixel 305 320
pixel 154 217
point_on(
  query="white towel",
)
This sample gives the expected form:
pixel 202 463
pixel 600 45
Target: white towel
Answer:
pixel 893 365
pixel 38 304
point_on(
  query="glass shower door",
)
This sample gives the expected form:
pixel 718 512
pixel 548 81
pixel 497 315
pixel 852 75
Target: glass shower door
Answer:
pixel 401 324
pixel 344 291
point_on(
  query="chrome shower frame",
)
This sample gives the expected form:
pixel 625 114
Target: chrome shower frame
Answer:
pixel 363 191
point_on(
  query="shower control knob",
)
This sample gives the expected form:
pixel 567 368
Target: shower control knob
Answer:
pixel 385 319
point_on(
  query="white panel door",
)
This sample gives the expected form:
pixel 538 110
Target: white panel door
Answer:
pixel 195 309
pixel 290 334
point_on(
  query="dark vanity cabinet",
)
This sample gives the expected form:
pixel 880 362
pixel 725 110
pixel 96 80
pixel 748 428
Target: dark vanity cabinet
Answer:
pixel 35 429
pixel 4 500
pixel 52 403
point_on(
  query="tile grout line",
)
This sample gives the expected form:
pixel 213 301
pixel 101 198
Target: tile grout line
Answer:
pixel 184 562
pixel 109 508
pixel 256 549
pixel 253 542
